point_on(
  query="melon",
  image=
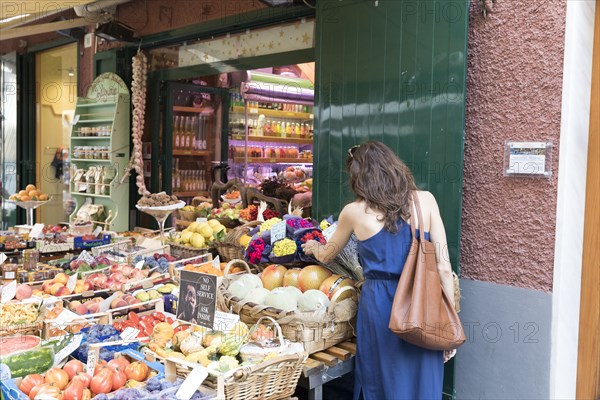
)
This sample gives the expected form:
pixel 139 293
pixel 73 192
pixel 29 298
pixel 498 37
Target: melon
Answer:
pixel 281 300
pixel 257 295
pixel 18 343
pixel 313 300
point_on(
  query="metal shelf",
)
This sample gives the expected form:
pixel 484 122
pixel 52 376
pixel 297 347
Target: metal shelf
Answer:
pixel 100 103
pixel 273 139
pixel 94 121
pixel 273 160
pixel 90 160
pixel 273 113
pixel 102 196
pixel 198 153
pixel 194 110
pixel 90 138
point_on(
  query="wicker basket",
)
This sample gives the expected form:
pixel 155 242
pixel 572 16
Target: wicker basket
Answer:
pixel 179 251
pixel 187 215
pixel 315 330
pixel 274 379
pixel 229 248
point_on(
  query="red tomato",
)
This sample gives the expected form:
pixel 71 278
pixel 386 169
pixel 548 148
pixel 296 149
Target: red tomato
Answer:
pixel 158 316
pixel 146 327
pixel 155 322
pixel 118 326
pixel 169 320
pixel 133 316
pixel 148 319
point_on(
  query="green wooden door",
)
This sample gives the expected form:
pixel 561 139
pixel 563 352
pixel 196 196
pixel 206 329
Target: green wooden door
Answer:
pixel 393 71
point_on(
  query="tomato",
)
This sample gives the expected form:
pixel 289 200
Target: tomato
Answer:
pixel 57 377
pixel 118 326
pixel 73 367
pixel 119 379
pixel 137 370
pixel 31 381
pixel 102 382
pixel 84 378
pixel 155 322
pixel 169 320
pixel 158 316
pixel 148 319
pixel 133 316
pixel 74 390
pixel 146 327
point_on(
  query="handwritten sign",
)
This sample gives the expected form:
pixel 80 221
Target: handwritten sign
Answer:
pixel 68 349
pixel 140 264
pixel 129 333
pixel 191 383
pixel 2 258
pixel 5 373
pixel 201 220
pixel 93 355
pixel 216 263
pixel 225 321
pixel 278 231
pixel 8 291
pixel 197 298
pixel 36 231
pixel 328 233
pixel 97 231
pixel 71 282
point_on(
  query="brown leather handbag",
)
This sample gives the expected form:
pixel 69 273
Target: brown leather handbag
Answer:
pixel 422 313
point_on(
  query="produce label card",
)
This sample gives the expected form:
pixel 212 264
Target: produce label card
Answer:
pixel 97 231
pixel 105 304
pixel 4 372
pixel 68 349
pixel 36 231
pixel 8 291
pixel 191 383
pixel 201 220
pixel 130 333
pixel 278 231
pixel 225 321
pixel 93 355
pixel 197 298
pixel 140 264
pixel 2 258
pixel 72 282
pixel 216 263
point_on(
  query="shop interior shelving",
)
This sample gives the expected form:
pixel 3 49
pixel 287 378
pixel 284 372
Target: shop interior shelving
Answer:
pixel 102 122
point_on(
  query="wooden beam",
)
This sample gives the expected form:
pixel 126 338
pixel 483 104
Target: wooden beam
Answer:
pixel 45 28
pixel 588 357
pixel 36 11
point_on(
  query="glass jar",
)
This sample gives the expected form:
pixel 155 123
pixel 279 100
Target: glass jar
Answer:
pixel 30 259
pixel 9 271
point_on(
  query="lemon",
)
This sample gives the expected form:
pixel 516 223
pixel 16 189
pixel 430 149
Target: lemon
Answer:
pixel 217 228
pixel 193 226
pixel 213 223
pixel 186 235
pixel 197 240
pixel 205 231
pixel 244 240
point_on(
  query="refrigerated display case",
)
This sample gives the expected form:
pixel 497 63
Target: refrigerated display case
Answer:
pixel 271 128
pixel 189 139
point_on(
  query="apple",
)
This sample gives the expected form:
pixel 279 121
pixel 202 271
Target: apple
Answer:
pixel 272 276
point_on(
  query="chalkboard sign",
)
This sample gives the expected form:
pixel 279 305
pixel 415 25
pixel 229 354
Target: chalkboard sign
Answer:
pixel 197 298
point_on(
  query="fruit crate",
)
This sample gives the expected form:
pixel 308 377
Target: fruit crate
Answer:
pixel 59 326
pixel 176 266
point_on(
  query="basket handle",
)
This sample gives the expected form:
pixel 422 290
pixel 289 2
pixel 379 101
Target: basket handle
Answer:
pixel 279 332
pixel 336 295
pixel 236 261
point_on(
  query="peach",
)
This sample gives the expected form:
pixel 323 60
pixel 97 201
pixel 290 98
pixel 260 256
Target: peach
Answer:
pixel 30 187
pixel 117 303
pixel 92 307
pixel 46 285
pixel 88 286
pixel 55 287
pixel 81 309
pixel 61 278
pixel 74 304
pixel 63 291
pixel 25 198
pixel 37 293
pixel 22 193
pixel 79 288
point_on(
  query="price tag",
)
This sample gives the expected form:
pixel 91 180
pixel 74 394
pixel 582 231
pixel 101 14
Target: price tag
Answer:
pixel 253 110
pixel 328 233
pixel 191 383
pixel 36 231
pixel 201 220
pixel 97 231
pixel 8 291
pixel 129 333
pixel 216 263
pixel 4 373
pixel 140 264
pixel 92 359
pixel 278 231
pixel 2 258
pixel 225 321
pixel 68 349
pixel 72 282
pixel 76 119
pixel 105 304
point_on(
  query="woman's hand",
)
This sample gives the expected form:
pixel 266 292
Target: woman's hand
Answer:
pixel 448 354
pixel 311 247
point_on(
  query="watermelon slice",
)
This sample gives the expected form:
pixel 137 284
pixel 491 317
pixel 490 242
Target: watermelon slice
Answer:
pixel 18 343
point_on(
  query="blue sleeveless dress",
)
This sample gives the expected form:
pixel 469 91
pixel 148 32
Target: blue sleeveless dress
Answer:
pixel 388 368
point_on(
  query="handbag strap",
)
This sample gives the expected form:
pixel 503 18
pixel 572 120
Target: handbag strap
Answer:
pixel 419 216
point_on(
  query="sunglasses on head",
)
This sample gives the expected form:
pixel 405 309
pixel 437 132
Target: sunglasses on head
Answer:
pixel 352 149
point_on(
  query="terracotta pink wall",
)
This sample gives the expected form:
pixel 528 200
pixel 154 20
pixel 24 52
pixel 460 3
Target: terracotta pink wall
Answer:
pixel 514 88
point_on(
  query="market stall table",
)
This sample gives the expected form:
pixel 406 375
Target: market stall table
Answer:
pixel 325 366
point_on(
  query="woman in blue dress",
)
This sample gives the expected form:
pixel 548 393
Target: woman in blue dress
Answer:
pixel 387 368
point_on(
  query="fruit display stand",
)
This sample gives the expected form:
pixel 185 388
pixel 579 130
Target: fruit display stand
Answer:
pixel 29 206
pixel 100 139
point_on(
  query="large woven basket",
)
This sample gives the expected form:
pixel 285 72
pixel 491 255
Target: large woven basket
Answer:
pixel 273 379
pixel 315 330
pixel 230 248
pixel 179 251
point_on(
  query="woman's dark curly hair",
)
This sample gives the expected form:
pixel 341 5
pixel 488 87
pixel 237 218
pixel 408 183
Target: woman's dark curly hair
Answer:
pixel 380 179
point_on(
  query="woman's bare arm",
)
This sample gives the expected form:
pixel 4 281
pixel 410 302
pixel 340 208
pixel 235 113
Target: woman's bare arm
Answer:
pixel 326 253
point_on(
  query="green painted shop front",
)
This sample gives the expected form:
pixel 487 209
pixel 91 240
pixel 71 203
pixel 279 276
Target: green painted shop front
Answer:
pixel 386 70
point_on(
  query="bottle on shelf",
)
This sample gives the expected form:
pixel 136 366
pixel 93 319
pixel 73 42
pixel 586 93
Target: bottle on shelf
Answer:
pixel 176 132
